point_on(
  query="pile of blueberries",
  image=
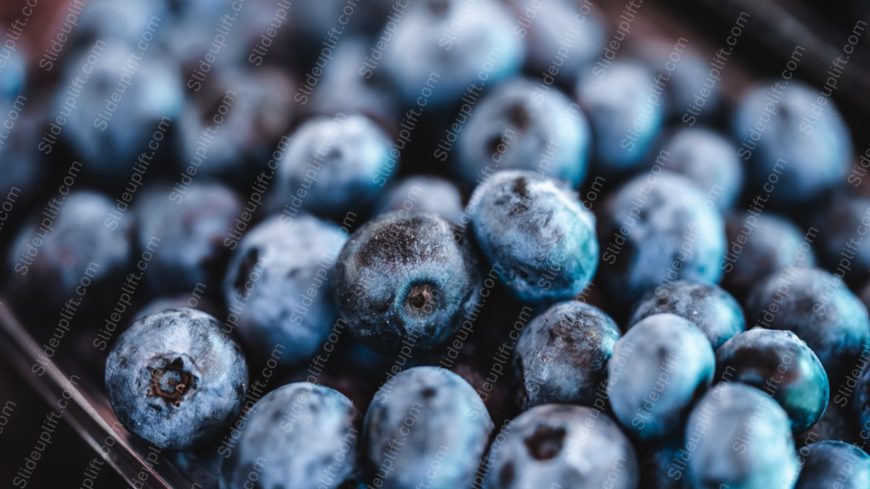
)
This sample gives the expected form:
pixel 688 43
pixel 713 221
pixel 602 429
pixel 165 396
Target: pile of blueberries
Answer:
pixel 440 244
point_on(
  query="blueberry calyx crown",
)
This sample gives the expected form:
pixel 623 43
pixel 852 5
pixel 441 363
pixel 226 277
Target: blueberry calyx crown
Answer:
pixel 171 381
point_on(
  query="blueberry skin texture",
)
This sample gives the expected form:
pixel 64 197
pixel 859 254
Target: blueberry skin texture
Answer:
pixel 758 245
pixel 840 226
pixel 741 439
pixel 656 373
pixel 817 155
pixel 861 401
pixel 279 285
pixel 559 445
pixel 708 158
pixel 78 245
pixel 424 194
pixel 708 306
pixel 561 356
pixel 350 156
pixel 519 127
pixel 782 365
pixel 454 40
pixel 536 233
pixel 300 435
pixel 176 379
pixel 447 419
pixel 191 229
pixel 820 309
pixel 658 228
pixel 406 277
pixel 832 464
pixel 624 122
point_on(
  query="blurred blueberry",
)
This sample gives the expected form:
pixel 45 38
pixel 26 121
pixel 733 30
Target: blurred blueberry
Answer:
pixel 279 286
pixel 426 427
pixel 442 47
pixel 782 365
pixel 709 307
pixel 22 168
pixel 562 37
pixel 707 158
pixel 237 117
pixel 557 445
pixel 424 194
pixel 191 232
pixel 561 356
pixel 406 279
pixel 519 126
pixel 334 164
pixel 820 309
pixel 178 301
pixel 760 244
pixel 659 228
pixel 833 464
pixel 796 154
pixel 861 399
pixel 13 74
pixel 624 115
pixel 118 112
pixel 536 234
pixel 299 435
pixel 658 370
pixel 119 24
pixel 843 247
pixel 741 438
pixel 65 247
pixel 175 379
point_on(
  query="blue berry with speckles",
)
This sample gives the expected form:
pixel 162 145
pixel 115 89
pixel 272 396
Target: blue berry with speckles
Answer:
pixel 175 379
pixel 658 228
pixel 710 308
pixel 561 356
pixel 658 370
pixel 782 365
pixel 519 127
pixel 741 439
pixel 279 285
pixel 558 445
pixel 834 464
pixel 406 278
pixel 300 435
pixel 536 234
pixel 820 309
pixel 425 427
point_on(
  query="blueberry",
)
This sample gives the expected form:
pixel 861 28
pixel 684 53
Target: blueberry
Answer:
pixel 110 135
pixel 709 307
pixel 843 247
pixel 191 229
pixel 536 233
pixel 837 423
pixel 67 253
pixel 740 438
pixel 782 365
pixel 796 154
pixel 832 464
pixel 622 112
pixel 760 244
pixel 658 228
pixel 443 47
pixel 520 126
pixel 861 400
pixel 230 127
pixel 561 356
pixel 658 370
pixel 299 435
pixel 426 427
pixel 562 37
pixel 13 75
pixel 116 24
pixel 22 168
pixel 406 277
pixel 279 285
pixel 557 445
pixel 709 159
pixel 424 194
pixel 175 379
pixel 334 164
pixel 690 97
pixel 820 309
